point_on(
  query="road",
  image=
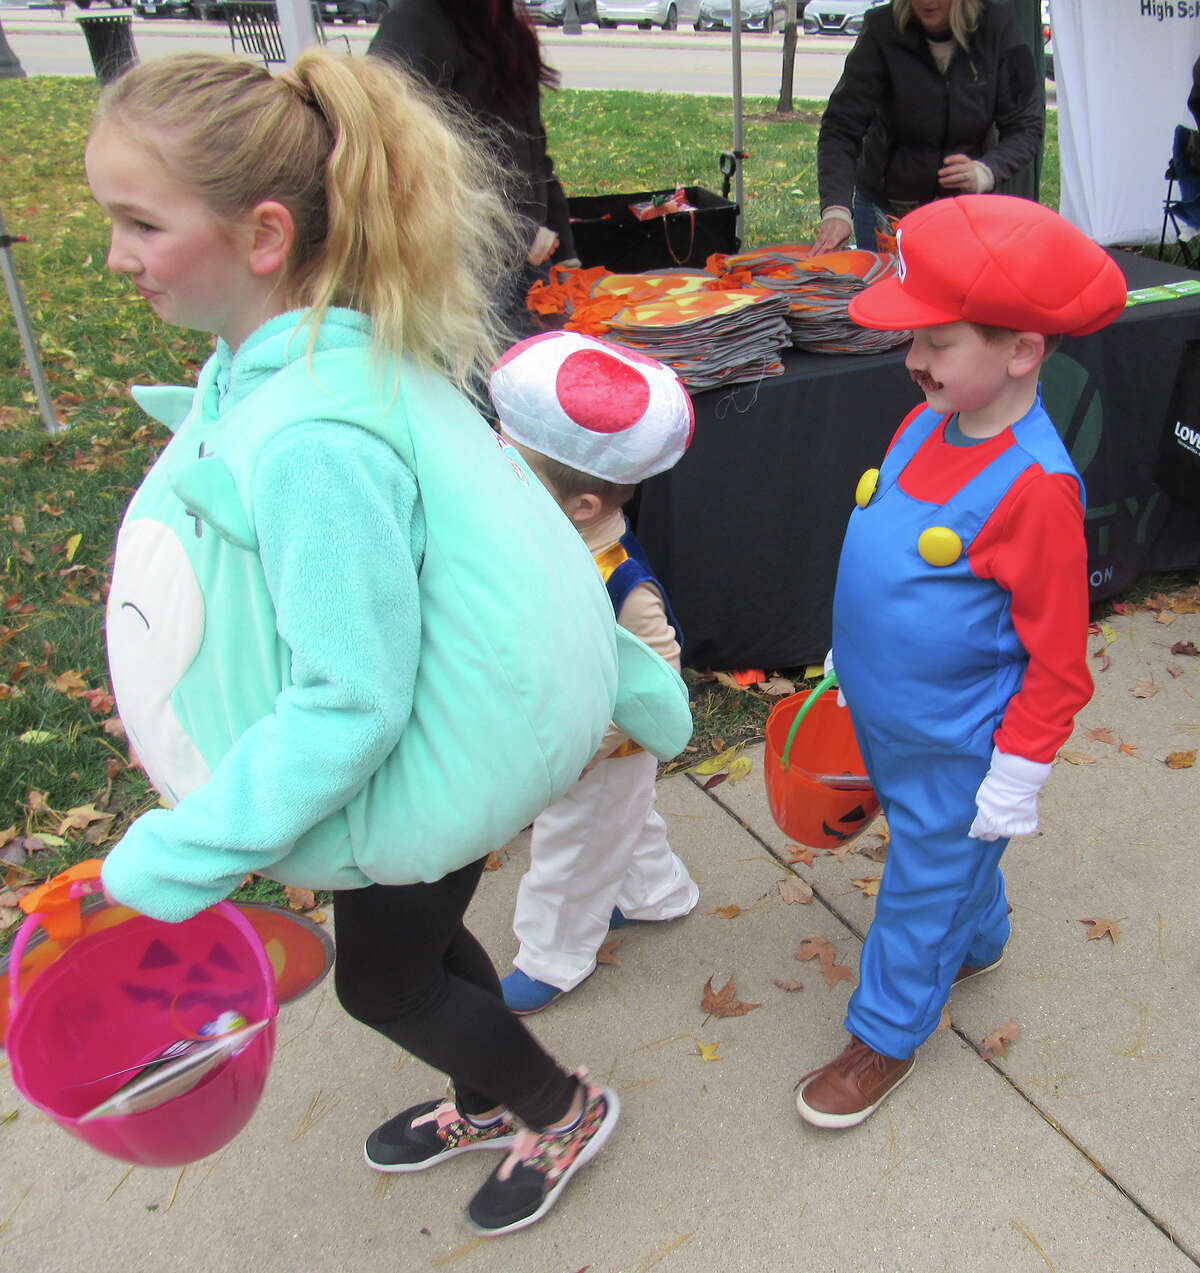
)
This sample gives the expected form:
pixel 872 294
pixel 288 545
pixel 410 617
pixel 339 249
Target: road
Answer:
pixel 668 61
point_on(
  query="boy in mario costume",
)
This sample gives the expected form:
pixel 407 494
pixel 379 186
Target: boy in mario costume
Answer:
pixel 592 420
pixel 960 613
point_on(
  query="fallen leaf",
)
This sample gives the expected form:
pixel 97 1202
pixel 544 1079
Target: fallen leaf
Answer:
pixel 1181 759
pixel 1109 633
pixel 794 889
pixel 1110 928
pixel 71 683
pixel 1128 749
pixel 778 687
pixel 739 769
pixel 868 885
pixel 607 954
pixel 715 781
pixel 113 727
pixel 945 1023
pixel 798 853
pixel 1102 655
pixel 722 760
pixel 73 542
pixel 493 862
pixel 1077 757
pixel 787 984
pixel 722 1003
pixel 300 899
pixel 996 1043
pixel 36 736
pixel 1173 669
pixel 1186 647
pixel 1181 605
pixel 82 816
pixel 99 701
pixel 727 912
pixel 9 916
pixel 1103 735
pixel 1164 617
pixel 708 1051
pixel 728 680
pixel 821 948
pixel 1144 689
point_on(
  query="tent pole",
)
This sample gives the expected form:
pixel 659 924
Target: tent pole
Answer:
pixel 735 21
pixel 25 331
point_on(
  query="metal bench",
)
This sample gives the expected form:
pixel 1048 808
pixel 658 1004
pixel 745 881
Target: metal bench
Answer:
pixel 254 30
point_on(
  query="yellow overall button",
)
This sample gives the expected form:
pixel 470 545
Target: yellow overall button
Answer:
pixel 939 546
pixel 866 487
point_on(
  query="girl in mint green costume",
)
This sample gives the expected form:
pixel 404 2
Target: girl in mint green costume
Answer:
pixel 354 644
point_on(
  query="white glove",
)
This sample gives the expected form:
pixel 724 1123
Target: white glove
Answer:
pixel 841 698
pixel 1007 797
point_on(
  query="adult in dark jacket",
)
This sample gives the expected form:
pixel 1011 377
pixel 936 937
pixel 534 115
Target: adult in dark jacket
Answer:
pixel 485 54
pixel 937 98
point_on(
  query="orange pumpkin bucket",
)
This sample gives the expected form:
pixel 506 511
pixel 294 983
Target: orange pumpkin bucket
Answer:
pixel 817 786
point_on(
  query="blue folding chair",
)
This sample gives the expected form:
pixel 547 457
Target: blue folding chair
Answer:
pixel 1182 213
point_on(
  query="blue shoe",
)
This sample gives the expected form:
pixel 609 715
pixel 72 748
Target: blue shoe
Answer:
pixel 618 919
pixel 525 996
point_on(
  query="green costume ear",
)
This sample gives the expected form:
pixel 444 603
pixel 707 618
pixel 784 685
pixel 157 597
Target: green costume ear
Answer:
pixel 652 701
pixel 168 404
pixel 208 491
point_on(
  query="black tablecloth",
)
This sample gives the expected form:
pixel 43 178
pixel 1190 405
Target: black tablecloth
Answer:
pixel 746 530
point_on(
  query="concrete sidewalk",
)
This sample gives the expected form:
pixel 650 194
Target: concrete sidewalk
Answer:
pixel 1075 1153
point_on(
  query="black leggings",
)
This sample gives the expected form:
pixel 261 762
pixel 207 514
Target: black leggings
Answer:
pixel 408 967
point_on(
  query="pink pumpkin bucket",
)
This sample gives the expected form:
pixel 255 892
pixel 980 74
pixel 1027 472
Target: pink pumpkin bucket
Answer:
pixel 149 1041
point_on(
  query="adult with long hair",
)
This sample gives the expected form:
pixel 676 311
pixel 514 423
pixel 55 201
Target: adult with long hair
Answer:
pixel 485 54
pixel 937 98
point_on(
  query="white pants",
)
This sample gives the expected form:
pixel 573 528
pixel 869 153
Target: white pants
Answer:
pixel 602 845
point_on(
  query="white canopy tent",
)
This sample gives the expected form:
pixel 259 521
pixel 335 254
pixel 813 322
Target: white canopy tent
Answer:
pixel 1123 70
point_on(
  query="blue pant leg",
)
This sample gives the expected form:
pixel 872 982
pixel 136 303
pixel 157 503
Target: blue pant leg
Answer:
pixel 941 897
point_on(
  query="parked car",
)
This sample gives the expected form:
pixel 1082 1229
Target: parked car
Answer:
pixel 757 15
pixel 1048 37
pixel 351 11
pixel 551 13
pixel 647 13
pixel 837 17
pixel 164 8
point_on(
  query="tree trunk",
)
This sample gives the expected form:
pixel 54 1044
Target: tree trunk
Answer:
pixel 10 68
pixel 789 60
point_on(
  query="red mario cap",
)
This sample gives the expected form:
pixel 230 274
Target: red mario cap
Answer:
pixel 997 260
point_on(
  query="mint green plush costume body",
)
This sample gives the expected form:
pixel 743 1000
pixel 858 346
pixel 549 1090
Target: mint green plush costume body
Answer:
pixel 329 662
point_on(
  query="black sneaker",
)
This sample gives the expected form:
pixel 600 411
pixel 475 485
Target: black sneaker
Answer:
pixel 431 1133
pixel 528 1182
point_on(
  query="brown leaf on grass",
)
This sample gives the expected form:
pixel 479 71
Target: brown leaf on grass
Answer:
pixel 1157 603
pixel 1110 928
pixel 1187 648
pixel 777 687
pixel 607 954
pixel 1103 735
pixel 70 683
pixel 798 853
pixel 113 727
pixel 82 816
pixel 867 885
pixel 10 916
pixel 1144 689
pixel 788 984
pixel 1185 605
pixel 793 889
pixel 728 680
pixel 99 701
pixel 1181 759
pixel 723 1003
pixel 300 899
pixel 732 911
pixel 996 1043
pixel 1077 757
pixel 38 803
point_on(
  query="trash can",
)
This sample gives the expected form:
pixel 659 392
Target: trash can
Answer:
pixel 110 42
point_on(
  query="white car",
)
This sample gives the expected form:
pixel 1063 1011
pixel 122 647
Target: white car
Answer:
pixel 837 17
pixel 648 13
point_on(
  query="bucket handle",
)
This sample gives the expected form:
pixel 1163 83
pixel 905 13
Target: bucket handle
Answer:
pixel 79 888
pixel 828 681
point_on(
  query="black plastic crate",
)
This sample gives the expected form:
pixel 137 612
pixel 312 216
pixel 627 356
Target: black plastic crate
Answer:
pixel 607 233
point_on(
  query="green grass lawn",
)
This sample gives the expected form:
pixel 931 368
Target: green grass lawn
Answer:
pixel 66 791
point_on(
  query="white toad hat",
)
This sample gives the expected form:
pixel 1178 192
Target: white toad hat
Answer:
pixel 596 407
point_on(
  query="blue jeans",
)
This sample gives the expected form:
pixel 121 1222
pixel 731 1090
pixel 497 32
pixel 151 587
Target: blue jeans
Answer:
pixel 863 215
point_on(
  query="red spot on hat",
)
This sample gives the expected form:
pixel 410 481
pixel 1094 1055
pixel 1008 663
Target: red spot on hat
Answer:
pixel 600 392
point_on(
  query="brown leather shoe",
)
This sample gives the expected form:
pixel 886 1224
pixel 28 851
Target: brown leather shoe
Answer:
pixel 967 971
pixel 848 1090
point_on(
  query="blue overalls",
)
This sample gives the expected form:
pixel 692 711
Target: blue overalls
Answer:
pixel 928 659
